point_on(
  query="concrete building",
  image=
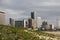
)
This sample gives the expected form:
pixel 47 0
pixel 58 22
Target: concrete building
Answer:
pixel 45 25
pixel 25 23
pixel 52 27
pixel 12 22
pixel 19 23
pixel 31 23
pixel 58 24
pixel 39 23
pixel 2 18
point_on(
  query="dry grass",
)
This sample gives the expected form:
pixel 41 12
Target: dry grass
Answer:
pixel 54 32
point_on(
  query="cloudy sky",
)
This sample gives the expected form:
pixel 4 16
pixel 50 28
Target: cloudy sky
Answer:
pixel 47 9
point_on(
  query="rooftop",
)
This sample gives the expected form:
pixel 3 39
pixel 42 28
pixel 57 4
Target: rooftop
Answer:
pixel 2 12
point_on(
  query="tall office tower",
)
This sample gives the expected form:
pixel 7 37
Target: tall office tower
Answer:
pixel 58 24
pixel 31 23
pixel 39 23
pixel 12 22
pixel 32 15
pixel 52 27
pixel 2 17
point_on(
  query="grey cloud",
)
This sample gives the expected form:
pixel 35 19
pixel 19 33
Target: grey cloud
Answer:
pixel 44 8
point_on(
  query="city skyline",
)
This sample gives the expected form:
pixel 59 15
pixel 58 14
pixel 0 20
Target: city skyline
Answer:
pixel 47 9
pixel 29 19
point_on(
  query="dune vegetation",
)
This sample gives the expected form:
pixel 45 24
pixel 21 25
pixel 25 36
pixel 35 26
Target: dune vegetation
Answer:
pixel 20 33
pixel 15 33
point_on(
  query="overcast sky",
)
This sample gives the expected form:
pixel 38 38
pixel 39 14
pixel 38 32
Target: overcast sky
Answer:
pixel 47 9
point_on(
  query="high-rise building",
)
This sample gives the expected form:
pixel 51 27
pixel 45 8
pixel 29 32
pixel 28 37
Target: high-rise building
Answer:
pixel 58 24
pixel 39 23
pixel 2 18
pixel 52 27
pixel 32 15
pixel 31 23
pixel 12 22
